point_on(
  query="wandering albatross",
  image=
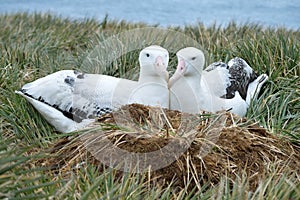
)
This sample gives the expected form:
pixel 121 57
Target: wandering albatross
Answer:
pixel 218 87
pixel 70 100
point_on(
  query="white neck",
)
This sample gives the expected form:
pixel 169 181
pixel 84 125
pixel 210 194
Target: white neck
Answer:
pixel 194 83
pixel 185 94
pixel 151 90
pixel 148 75
pixel 152 78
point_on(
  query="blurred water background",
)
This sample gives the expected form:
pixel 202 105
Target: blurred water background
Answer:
pixel 271 13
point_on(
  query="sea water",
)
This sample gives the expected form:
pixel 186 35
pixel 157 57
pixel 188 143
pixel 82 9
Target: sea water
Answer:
pixel 270 13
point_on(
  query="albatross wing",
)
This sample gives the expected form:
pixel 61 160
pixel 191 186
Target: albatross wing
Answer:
pixel 69 100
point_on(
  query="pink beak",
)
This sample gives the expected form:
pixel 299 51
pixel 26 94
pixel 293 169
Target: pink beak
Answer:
pixel 181 66
pixel 178 73
pixel 161 67
pixel 159 62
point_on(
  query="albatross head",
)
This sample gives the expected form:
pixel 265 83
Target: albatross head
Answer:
pixel 154 62
pixel 190 64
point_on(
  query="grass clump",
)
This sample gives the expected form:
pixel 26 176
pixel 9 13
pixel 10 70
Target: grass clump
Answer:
pixel 34 163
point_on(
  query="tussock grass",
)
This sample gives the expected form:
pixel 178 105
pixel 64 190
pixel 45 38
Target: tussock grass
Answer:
pixel 34 45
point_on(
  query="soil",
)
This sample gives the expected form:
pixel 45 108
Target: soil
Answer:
pixel 179 147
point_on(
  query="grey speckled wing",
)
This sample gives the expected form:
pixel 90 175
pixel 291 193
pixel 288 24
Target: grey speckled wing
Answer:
pixel 62 91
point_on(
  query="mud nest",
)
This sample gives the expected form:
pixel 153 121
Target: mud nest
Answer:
pixel 176 147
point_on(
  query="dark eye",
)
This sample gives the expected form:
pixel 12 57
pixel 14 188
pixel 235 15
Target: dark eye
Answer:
pixel 193 58
pixel 148 55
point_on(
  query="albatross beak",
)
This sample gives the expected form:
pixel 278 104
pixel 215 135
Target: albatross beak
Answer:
pixel 159 62
pixel 181 67
pixel 161 67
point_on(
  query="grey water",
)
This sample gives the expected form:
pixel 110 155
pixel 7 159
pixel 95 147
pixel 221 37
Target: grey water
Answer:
pixel 269 13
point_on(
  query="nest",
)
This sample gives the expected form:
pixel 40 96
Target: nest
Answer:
pixel 177 148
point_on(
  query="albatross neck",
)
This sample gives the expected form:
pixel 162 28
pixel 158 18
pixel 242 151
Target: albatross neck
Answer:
pixel 147 76
pixel 195 84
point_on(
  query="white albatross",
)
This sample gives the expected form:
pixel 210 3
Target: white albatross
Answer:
pixel 218 87
pixel 70 100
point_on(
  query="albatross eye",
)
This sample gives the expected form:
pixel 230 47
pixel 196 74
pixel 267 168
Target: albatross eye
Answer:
pixel 148 55
pixel 193 58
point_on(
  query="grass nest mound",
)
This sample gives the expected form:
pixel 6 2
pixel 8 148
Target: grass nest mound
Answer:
pixel 177 148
